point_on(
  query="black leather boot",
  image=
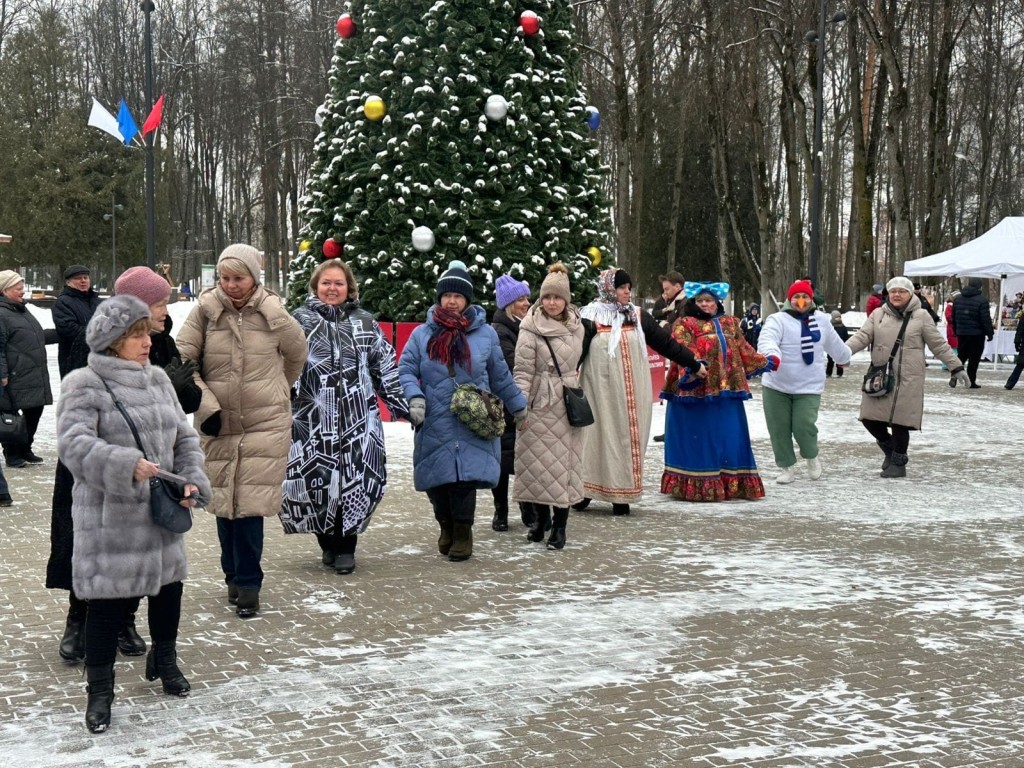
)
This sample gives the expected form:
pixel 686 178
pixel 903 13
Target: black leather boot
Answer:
pixel 557 538
pixel 72 644
pixel 898 468
pixel 620 509
pixel 162 662
pixel 444 541
pixel 541 520
pixel 248 602
pixel 232 594
pixel 526 513
pixel 100 696
pixel 129 641
pixel 887 450
pixel 500 520
pixel 462 542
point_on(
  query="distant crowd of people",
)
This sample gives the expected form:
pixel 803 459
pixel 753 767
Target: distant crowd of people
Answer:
pixel 287 421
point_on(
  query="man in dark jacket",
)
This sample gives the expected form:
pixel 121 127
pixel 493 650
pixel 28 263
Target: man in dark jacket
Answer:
pixel 669 305
pixel 71 313
pixel 1018 344
pixel 972 324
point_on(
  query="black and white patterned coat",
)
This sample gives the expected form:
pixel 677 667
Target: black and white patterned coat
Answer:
pixel 118 550
pixel 336 459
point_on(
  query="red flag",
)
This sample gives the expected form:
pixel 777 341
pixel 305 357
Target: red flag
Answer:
pixel 155 116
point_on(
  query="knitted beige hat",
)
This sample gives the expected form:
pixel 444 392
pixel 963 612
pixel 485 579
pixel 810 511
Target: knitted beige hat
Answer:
pixel 249 256
pixel 556 283
pixel 9 278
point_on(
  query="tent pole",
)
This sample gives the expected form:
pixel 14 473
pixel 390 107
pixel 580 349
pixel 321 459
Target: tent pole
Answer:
pixel 999 323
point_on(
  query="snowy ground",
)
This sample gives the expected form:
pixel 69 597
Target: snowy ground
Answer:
pixel 852 622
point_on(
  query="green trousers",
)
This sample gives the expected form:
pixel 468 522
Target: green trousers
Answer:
pixel 789 417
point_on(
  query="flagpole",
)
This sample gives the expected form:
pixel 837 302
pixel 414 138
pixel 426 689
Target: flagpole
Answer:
pixel 147 8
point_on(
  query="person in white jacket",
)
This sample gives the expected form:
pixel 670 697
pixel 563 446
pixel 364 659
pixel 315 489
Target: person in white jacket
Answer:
pixel 798 337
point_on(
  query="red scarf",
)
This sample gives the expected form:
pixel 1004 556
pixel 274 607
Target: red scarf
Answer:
pixel 448 345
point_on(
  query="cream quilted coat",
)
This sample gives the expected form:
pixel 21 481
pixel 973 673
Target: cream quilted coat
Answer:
pixel 249 360
pixel 549 452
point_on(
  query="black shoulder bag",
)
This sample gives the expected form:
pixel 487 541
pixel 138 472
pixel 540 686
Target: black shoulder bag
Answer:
pixel 880 379
pixel 577 408
pixel 164 496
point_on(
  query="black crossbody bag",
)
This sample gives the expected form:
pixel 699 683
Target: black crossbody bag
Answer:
pixel 880 379
pixel 577 408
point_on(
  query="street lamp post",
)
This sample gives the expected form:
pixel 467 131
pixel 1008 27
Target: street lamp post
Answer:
pixel 112 218
pixel 819 107
pixel 148 7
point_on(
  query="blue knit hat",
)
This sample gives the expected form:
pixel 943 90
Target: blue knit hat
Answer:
pixel 456 279
pixel 507 289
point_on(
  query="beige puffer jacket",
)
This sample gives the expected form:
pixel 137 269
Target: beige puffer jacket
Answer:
pixel 905 404
pixel 549 452
pixel 249 360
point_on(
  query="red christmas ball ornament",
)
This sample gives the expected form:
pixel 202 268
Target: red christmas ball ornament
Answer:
pixel 332 249
pixel 530 23
pixel 346 26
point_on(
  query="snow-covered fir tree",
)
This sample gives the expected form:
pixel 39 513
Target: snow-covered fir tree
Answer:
pixel 504 193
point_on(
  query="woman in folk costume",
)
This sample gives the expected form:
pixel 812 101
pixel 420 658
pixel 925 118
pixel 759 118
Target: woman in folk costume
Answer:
pixel 450 462
pixel 549 450
pixel 796 340
pixel 708 456
pixel 617 379
pixel 336 475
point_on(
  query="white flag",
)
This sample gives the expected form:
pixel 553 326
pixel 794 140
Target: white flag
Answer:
pixel 100 118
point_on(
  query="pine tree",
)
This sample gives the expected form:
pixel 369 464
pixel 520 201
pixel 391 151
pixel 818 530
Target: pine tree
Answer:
pixel 504 196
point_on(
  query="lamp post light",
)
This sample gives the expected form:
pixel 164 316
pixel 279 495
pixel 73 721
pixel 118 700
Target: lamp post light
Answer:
pixel 112 218
pixel 148 7
pixel 819 107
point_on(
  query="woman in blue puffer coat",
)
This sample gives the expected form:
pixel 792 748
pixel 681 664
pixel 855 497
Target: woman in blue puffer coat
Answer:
pixel 455 346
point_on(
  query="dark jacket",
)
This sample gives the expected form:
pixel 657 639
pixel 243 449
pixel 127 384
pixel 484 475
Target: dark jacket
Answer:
pixel 970 314
pixel 1018 337
pixel 71 313
pixel 507 329
pixel 162 353
pixel 28 378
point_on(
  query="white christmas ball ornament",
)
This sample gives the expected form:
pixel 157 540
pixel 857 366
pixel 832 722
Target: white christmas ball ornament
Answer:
pixel 422 239
pixel 496 107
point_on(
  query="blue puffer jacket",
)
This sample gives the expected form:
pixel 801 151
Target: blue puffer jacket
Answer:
pixel 445 450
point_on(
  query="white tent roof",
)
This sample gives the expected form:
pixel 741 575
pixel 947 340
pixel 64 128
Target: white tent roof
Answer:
pixel 5 238
pixel 998 252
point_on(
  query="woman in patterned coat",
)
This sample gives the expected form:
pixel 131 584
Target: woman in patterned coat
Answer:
pixel 336 474
pixel 708 456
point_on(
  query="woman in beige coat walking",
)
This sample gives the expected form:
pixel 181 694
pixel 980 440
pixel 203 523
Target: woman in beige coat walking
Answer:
pixel 549 452
pixel 891 417
pixel 250 351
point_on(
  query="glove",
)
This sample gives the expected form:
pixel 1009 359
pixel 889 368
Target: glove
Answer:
pixel 417 411
pixel 520 417
pixel 180 372
pixel 211 427
pixel 774 362
pixel 990 336
pixel 959 376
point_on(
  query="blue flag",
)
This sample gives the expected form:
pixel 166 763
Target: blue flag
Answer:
pixel 126 123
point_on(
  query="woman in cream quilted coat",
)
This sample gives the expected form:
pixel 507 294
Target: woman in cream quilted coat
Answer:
pixel 549 452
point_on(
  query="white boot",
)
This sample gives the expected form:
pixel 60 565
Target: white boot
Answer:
pixel 786 476
pixel 813 469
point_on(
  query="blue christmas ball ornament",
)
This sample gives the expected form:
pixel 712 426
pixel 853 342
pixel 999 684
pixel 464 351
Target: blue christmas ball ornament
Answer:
pixel 593 118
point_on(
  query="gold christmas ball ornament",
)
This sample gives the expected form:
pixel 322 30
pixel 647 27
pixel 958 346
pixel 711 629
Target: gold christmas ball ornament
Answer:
pixel 374 108
pixel 304 246
pixel 595 255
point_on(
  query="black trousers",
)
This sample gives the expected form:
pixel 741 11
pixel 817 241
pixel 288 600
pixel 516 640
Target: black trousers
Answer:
pixel 105 618
pixel 241 549
pixel 32 417
pixel 454 501
pixel 969 350
pixel 899 436
pixel 1017 369
pixel 500 493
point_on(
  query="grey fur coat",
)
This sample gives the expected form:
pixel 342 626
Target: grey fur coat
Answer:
pixel 118 550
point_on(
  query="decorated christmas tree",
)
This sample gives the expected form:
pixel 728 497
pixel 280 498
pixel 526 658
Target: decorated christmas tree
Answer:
pixel 454 129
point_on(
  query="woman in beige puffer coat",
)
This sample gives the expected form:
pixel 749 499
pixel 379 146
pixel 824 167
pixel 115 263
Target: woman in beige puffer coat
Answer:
pixel 890 418
pixel 549 452
pixel 250 351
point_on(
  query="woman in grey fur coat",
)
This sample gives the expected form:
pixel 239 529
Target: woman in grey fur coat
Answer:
pixel 119 553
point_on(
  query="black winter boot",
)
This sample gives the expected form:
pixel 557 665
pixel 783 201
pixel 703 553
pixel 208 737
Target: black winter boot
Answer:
pixel 898 467
pixel 579 506
pixel 526 513
pixel 248 602
pixel 72 644
pixel 232 594
pixel 557 538
pixel 444 541
pixel 462 542
pixel 620 509
pixel 100 693
pixel 129 641
pixel 541 521
pixel 162 662
pixel 887 450
pixel 500 520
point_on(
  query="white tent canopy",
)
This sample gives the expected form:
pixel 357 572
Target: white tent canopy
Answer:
pixel 995 254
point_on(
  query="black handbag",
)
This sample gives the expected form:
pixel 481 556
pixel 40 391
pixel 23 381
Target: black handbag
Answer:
pixel 12 429
pixel 164 495
pixel 577 407
pixel 880 379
